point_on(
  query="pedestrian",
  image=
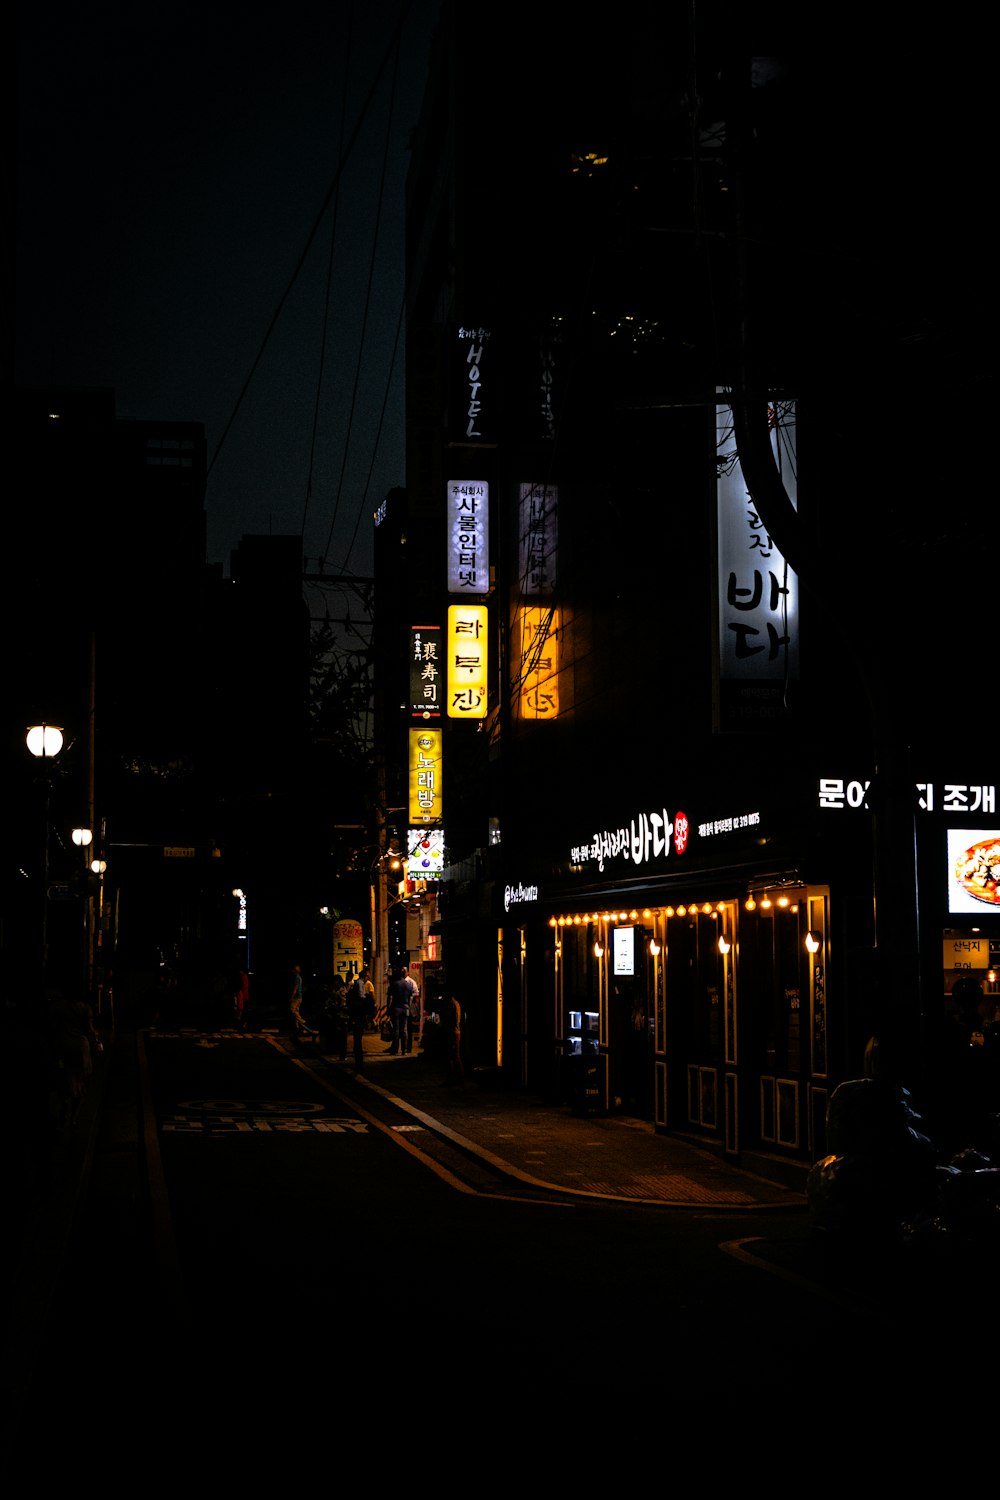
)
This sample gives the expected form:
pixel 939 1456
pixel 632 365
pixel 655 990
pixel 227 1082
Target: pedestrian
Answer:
pixel 241 997
pixel 370 1002
pixel 451 1027
pixel 295 1002
pixel 356 1009
pixel 336 1022
pixel 403 993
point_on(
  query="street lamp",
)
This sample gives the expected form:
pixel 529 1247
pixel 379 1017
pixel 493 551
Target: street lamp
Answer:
pixel 45 741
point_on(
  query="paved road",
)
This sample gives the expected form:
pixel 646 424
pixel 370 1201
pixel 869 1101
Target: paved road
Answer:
pixel 301 1235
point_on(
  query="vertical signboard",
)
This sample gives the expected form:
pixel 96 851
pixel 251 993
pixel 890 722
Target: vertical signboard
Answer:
pixel 473 390
pixel 468 536
pixel 348 947
pixel 425 853
pixel 467 661
pixel 426 672
pixel 538 680
pixel 426 780
pixel 537 519
pixel 758 591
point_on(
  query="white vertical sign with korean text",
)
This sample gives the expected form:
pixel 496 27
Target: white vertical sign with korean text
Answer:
pixel 468 536
pixel 758 591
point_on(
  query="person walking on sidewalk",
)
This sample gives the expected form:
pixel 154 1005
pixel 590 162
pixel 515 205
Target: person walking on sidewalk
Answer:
pixel 402 993
pixel 451 1028
pixel 357 1008
pixel 295 1002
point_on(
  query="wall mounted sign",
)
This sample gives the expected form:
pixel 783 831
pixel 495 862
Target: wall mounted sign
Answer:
pixel 538 662
pixel 836 793
pixel 426 778
pixel 426 671
pixel 425 853
pixel 468 536
pixel 537 521
pixel 758 592
pixel 467 661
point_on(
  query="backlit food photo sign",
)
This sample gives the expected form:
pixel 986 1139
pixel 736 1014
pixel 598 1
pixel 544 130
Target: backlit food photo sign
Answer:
pixel 468 536
pixel 973 870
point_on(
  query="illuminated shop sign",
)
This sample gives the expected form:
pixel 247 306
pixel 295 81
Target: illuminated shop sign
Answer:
pixel 467 661
pixel 426 671
pixel 623 950
pixel 538 509
pixel 644 838
pixel 468 536
pixel 348 947
pixel 425 853
pixel 973 872
pixel 517 895
pixel 426 780
pixel 471 386
pixel 538 658
pixel 733 823
pixel 546 388
pixel 966 953
pixel 758 591
pixel 838 792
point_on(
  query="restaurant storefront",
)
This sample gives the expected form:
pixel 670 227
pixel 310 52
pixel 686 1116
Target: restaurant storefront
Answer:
pixel 715 977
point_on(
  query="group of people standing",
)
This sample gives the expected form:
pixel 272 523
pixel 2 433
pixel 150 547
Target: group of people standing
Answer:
pixel 352 1008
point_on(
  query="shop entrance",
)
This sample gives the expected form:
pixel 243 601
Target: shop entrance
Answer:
pixel 630 1023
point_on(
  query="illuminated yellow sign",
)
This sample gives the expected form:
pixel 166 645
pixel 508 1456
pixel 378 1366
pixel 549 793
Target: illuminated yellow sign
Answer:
pixel 467 638
pixel 538 694
pixel 425 777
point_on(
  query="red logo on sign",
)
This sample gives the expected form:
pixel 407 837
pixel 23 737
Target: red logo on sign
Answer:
pixel 681 831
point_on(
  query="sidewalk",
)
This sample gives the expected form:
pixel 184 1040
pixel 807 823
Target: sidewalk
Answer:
pixel 548 1145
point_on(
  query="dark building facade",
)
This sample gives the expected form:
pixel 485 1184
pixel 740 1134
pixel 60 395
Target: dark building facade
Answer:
pixel 182 699
pixel 704 813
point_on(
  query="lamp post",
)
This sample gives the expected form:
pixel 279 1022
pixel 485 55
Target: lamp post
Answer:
pixel 379 875
pixel 83 838
pixel 45 741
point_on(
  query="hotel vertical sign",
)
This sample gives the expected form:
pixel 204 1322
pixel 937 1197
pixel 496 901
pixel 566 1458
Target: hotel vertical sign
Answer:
pixel 473 390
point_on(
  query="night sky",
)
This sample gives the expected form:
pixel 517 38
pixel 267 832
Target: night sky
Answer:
pixel 172 167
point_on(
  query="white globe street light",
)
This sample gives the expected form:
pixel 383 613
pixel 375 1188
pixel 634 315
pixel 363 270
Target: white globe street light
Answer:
pixel 44 740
